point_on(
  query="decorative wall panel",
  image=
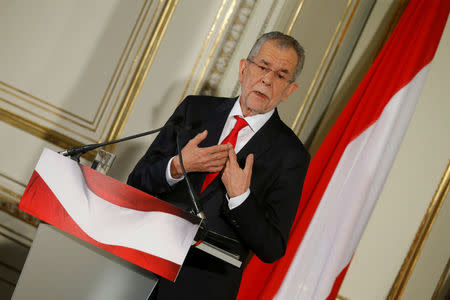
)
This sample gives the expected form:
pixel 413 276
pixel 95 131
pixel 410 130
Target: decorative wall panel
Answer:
pixel 67 69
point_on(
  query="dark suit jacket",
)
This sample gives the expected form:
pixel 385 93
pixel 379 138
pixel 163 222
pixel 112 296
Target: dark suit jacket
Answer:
pixel 262 222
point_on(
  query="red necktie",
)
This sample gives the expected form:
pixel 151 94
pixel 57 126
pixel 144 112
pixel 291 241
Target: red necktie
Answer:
pixel 231 138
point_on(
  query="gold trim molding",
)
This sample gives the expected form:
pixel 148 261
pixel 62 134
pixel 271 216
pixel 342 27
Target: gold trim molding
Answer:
pixel 142 70
pixel 316 82
pixel 90 125
pixel 10 207
pixel 262 30
pixel 294 19
pixel 137 58
pixel 421 236
pixel 225 54
pixel 444 274
pixel 204 46
pixel 45 133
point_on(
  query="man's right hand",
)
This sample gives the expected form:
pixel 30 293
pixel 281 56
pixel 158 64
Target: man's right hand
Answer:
pixel 195 159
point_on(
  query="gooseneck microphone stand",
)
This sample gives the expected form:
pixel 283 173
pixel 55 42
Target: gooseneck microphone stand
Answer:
pixel 76 152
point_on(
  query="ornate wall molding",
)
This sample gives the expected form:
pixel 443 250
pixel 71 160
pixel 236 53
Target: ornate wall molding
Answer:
pixel 324 67
pixel 66 127
pixel 232 38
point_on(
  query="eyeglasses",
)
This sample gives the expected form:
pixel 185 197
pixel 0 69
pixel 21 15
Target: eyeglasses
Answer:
pixel 262 70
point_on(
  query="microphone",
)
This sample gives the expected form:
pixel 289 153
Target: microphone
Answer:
pixel 76 152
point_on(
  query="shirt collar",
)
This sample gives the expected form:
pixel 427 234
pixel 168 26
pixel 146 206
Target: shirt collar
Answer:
pixel 255 122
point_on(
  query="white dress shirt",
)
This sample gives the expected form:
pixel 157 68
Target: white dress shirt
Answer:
pixel 245 134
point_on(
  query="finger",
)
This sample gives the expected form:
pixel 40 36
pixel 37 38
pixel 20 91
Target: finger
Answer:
pixel 227 165
pixel 199 137
pixel 232 157
pixel 216 161
pixel 218 148
pixel 226 169
pixel 219 156
pixel 215 165
pixel 219 164
pixel 249 165
pixel 215 169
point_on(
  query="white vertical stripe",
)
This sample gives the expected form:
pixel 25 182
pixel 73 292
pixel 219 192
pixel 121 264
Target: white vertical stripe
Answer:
pixel 157 233
pixel 340 218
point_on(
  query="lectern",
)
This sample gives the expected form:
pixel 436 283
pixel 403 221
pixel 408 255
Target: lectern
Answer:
pixel 60 266
pixel 114 222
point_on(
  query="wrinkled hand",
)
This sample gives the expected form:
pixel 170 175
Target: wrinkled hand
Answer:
pixel 235 179
pixel 195 159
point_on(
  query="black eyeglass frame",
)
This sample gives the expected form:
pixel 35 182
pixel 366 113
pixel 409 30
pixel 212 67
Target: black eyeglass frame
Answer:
pixel 268 70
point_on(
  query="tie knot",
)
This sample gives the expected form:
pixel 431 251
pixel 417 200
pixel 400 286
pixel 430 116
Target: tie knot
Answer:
pixel 240 123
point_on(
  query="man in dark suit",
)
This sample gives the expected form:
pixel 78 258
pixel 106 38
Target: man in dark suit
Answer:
pixel 261 164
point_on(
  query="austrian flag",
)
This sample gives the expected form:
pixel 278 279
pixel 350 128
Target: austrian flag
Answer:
pixel 109 214
pixel 346 175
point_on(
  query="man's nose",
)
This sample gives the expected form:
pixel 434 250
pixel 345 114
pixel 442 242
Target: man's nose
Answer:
pixel 268 77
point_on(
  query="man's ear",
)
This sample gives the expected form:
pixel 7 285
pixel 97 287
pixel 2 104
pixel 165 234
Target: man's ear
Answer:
pixel 290 89
pixel 242 66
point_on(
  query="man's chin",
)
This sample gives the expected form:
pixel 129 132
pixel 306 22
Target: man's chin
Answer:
pixel 256 106
pixel 256 110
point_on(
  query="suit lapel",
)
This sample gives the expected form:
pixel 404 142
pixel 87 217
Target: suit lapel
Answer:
pixel 215 123
pixel 261 141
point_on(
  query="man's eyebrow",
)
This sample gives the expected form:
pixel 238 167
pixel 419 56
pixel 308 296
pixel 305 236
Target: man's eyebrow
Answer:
pixel 269 64
pixel 265 62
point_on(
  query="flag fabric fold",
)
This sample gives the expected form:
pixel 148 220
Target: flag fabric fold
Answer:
pixel 347 173
pixel 109 214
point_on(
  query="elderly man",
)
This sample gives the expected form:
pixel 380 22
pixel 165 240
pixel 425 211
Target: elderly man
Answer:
pixel 247 166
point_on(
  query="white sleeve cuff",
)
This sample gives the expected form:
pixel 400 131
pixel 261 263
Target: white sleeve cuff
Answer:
pixel 238 200
pixel 170 180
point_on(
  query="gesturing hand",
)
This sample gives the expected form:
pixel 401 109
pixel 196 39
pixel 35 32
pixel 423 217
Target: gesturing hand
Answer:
pixel 235 179
pixel 195 159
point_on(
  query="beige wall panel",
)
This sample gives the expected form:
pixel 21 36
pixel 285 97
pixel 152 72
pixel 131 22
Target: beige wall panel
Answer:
pixel 315 35
pixel 19 157
pixel 64 69
pixel 433 259
pixel 63 62
pixel 410 186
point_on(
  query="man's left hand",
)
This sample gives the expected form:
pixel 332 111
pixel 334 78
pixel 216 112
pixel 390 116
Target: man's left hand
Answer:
pixel 235 179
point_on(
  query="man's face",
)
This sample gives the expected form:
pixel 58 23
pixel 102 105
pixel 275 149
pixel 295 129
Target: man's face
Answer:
pixel 261 91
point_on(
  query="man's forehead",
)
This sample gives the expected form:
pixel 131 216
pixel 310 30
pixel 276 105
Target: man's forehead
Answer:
pixel 281 58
